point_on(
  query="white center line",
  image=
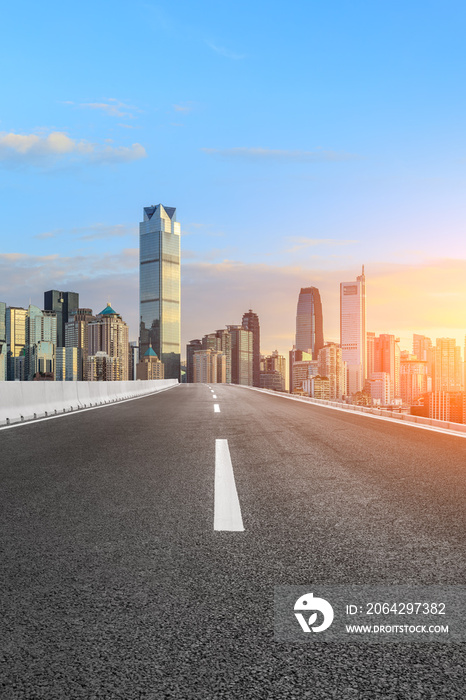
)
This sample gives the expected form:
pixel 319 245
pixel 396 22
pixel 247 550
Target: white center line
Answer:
pixel 216 408
pixel 214 396
pixel 227 511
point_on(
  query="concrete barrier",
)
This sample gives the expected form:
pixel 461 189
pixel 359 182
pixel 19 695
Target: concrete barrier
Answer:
pixel 23 401
pixel 393 415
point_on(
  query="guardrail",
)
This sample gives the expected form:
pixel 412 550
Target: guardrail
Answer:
pixel 23 401
pixel 394 415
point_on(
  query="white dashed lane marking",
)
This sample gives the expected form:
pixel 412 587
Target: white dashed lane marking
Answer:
pixel 227 510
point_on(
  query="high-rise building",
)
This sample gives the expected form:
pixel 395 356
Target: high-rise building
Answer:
pixel 209 366
pixel 297 356
pixel 386 358
pixel 101 367
pixel 421 347
pixel 309 322
pixel 3 345
pixel 413 378
pixel 224 346
pixel 133 359
pixel 331 365
pixel 273 372
pixel 241 355
pixel 159 282
pixel 447 366
pixel 108 334
pixel 63 304
pixel 16 319
pixel 68 364
pixel 41 341
pixel 76 336
pixel 353 331
pixel 380 388
pixel 191 348
pixel 251 323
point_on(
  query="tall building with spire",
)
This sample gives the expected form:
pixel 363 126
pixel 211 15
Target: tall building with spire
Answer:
pixel 353 331
pixel 159 287
pixel 309 322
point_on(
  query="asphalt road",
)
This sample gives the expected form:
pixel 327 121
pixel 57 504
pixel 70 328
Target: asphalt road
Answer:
pixel 115 584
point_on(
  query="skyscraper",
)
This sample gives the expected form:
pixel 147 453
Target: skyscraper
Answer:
pixel 159 287
pixel 309 322
pixel 241 355
pixel 76 336
pixel 41 341
pixel 3 346
pixel 447 366
pixel 251 323
pixel 16 319
pixel 353 331
pixel 64 304
pixel 108 334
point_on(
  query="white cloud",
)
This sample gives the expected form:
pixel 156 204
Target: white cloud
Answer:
pixel 271 154
pixel 183 108
pixel 111 106
pixel 226 52
pixel 39 149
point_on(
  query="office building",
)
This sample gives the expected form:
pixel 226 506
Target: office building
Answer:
pixel 101 367
pixel 250 322
pixel 191 348
pixel 353 331
pixel 209 366
pixel 309 322
pixel 68 364
pixel 149 367
pixel 273 372
pixel 386 358
pixel 16 318
pixel 316 387
pixel 41 341
pixel 422 345
pixel 380 388
pixel 63 304
pixel 133 359
pixel 302 371
pixel 295 357
pixel 108 334
pixel 159 281
pixel 331 365
pixel 413 378
pixel 3 345
pixel 241 355
pixel 447 366
pixel 77 336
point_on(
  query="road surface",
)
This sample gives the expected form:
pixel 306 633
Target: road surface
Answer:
pixel 115 583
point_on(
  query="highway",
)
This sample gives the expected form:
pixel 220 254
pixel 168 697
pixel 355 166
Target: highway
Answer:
pixel 141 543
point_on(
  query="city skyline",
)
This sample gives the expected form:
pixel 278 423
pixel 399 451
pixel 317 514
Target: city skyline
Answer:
pixel 364 168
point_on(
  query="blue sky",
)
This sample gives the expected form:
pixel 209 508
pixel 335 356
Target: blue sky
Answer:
pixel 296 141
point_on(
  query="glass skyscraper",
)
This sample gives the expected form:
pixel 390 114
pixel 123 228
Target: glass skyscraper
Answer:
pixel 309 322
pixel 64 304
pixel 159 287
pixel 353 338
